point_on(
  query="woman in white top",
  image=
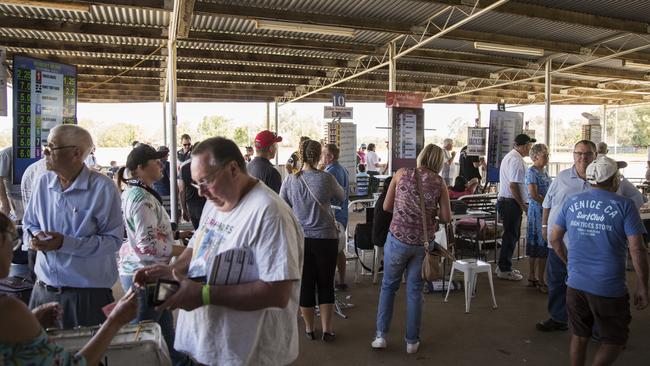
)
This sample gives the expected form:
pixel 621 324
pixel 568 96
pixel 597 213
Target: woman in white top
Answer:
pixel 372 160
pixel 150 238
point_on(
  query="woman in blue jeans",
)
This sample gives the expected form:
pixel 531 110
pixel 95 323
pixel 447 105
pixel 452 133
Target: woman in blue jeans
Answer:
pixel 150 238
pixel 404 250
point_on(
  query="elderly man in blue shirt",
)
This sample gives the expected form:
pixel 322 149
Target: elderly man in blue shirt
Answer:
pixel 330 158
pixel 74 215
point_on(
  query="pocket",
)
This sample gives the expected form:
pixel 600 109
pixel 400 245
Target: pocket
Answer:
pixel 82 222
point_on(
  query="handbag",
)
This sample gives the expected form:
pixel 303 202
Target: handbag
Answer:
pixel 340 233
pixel 431 266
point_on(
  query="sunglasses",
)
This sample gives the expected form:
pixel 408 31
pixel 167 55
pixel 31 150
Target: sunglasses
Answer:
pixel 187 145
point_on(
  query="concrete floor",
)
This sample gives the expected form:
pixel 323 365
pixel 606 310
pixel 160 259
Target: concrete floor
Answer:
pixel 505 336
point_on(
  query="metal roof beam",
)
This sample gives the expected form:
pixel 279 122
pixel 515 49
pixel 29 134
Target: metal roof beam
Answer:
pixel 442 21
pixel 561 15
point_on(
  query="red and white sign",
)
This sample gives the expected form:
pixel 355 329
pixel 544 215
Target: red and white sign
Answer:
pixel 403 100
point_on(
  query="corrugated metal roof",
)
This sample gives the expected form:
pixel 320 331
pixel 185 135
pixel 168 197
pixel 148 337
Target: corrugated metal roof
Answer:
pixel 78 37
pixel 624 9
pixel 98 14
pixel 261 50
pixel 411 12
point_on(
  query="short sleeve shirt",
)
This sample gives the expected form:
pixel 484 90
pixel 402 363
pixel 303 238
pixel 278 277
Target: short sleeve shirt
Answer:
pixel 512 170
pixel 259 239
pixel 598 223
pixel 262 169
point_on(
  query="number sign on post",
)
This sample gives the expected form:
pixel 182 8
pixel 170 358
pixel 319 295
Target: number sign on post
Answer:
pixel 338 99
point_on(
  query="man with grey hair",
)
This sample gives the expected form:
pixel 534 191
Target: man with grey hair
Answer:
pixel 74 221
pixel 240 277
pixel 447 145
pixel 601 148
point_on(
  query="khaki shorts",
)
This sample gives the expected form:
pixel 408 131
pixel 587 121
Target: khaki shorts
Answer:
pixel 611 315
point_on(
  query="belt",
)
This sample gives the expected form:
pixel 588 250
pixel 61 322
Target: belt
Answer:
pixel 506 199
pixel 48 288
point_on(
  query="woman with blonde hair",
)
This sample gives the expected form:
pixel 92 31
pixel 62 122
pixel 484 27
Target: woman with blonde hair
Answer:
pixel 538 183
pixel 404 249
pixel 309 192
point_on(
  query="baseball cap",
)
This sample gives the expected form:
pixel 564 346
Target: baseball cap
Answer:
pixel 141 154
pixel 603 168
pixel 523 139
pixel 266 138
pixel 363 146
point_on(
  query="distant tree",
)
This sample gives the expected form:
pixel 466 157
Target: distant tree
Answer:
pixel 240 136
pixel 640 129
pixel 292 126
pixel 212 126
pixel 117 135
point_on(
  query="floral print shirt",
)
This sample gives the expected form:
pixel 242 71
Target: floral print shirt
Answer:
pixel 39 351
pixel 148 231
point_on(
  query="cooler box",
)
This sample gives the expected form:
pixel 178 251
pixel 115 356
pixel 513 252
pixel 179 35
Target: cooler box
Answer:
pixel 141 344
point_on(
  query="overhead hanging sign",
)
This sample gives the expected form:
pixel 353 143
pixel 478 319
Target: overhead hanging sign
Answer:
pixel 45 96
pixel 338 99
pixel 3 82
pixel 403 100
pixel 476 141
pixel 338 112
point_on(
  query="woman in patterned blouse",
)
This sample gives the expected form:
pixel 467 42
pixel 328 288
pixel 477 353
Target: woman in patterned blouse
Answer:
pixel 538 182
pixel 150 238
pixel 22 338
pixel 404 249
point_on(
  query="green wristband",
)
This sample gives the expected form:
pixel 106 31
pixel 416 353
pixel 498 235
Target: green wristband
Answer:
pixel 205 294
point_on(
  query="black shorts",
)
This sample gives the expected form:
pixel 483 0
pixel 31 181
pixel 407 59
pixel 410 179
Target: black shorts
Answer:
pixel 611 315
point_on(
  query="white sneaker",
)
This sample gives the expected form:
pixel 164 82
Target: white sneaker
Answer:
pixel 412 348
pixel 379 343
pixel 510 276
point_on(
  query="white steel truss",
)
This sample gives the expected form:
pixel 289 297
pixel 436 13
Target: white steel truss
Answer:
pixel 442 22
pixel 536 70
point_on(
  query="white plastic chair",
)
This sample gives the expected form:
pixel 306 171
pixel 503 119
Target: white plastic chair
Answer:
pixel 471 268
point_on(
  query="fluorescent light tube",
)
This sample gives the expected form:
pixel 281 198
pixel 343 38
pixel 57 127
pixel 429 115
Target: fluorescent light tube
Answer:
pixel 636 65
pixel 508 49
pixel 64 5
pixel 304 28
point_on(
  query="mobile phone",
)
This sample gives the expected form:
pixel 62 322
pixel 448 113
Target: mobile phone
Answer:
pixel 162 290
pixel 31 235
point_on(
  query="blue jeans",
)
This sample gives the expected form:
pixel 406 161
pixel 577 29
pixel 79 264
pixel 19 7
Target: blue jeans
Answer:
pixel 164 319
pixel 556 275
pixel 399 257
pixel 510 212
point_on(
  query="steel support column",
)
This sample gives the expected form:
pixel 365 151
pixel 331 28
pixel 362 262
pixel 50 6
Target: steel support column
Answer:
pixel 547 103
pixel 277 131
pixel 392 86
pixel 171 127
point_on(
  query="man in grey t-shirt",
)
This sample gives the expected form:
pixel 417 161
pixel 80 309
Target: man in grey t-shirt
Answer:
pixel 10 195
pixel 266 146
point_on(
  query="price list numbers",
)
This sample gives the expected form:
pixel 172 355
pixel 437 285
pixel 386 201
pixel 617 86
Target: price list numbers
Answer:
pixel 24 113
pixel 69 99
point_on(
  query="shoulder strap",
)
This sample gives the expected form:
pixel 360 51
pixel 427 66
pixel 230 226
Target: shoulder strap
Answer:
pixel 302 178
pixel 422 208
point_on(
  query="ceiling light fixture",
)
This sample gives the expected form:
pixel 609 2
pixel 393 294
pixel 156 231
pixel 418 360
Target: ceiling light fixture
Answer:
pixel 304 28
pixel 63 5
pixel 636 65
pixel 483 46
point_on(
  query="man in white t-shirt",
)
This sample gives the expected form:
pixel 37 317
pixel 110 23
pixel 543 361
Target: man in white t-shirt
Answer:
pixel 240 280
pixel 511 203
pixel 447 145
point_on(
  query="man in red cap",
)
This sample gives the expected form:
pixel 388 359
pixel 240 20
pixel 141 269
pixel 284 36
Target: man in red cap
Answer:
pixel 266 146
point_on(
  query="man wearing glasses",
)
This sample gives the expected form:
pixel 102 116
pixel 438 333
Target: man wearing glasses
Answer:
pixel 599 225
pixel 240 277
pixel 75 217
pixel 567 183
pixel 185 152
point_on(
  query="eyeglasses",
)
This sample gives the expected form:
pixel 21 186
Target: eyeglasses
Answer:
pixel 187 145
pixel 583 154
pixel 49 148
pixel 205 182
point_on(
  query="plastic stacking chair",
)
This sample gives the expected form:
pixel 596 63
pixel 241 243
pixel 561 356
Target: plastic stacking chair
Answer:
pixel 471 268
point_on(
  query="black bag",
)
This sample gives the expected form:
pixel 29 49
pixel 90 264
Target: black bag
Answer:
pixel 20 288
pixel 458 207
pixel 363 236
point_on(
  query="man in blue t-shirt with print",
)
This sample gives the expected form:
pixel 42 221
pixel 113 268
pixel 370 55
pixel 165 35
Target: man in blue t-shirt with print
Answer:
pixel 600 224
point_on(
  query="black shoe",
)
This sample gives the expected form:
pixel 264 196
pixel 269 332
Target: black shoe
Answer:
pixel 551 325
pixel 329 337
pixel 341 286
pixel 310 335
